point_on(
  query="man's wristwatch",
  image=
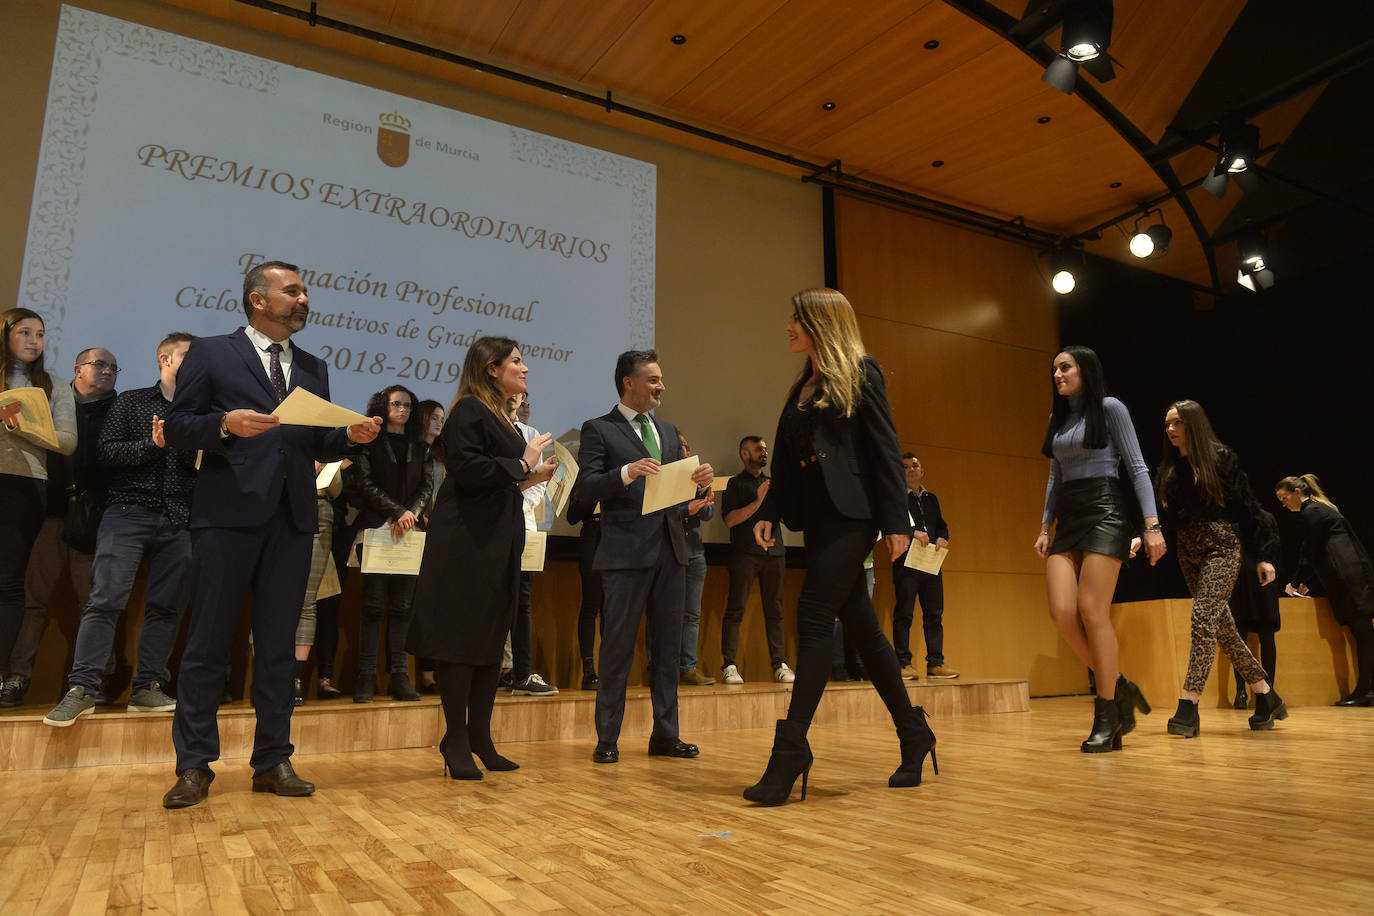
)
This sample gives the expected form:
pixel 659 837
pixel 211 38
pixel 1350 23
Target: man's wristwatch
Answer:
pixel 223 425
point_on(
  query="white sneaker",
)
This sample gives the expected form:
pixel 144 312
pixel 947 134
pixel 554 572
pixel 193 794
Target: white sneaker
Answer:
pixel 783 674
pixel 730 675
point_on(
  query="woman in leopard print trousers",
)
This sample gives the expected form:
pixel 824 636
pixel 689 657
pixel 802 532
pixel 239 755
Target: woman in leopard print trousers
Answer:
pixel 1206 498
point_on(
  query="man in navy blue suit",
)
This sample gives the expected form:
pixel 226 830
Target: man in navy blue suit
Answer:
pixel 642 558
pixel 253 519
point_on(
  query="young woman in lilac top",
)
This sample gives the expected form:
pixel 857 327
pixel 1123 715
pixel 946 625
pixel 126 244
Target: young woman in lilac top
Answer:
pixel 1089 434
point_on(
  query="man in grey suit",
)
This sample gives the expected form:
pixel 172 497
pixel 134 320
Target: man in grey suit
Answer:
pixel 642 558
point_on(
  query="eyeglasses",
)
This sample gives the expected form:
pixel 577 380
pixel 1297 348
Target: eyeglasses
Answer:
pixel 399 405
pixel 101 366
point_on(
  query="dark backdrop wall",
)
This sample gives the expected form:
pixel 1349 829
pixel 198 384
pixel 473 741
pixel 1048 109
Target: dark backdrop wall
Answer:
pixel 1285 375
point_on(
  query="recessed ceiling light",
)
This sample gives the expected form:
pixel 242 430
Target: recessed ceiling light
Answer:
pixel 827 106
pixel 1043 119
pixel 937 163
pixel 1114 184
pixel 932 44
pixel 679 39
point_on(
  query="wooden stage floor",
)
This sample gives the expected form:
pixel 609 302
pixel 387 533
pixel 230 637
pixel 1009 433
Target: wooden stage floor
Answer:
pixel 1018 821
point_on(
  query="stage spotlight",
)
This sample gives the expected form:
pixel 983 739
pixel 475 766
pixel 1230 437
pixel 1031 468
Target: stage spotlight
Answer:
pixel 1240 144
pixel 1252 250
pixel 1085 36
pixel 1152 241
pixel 1065 264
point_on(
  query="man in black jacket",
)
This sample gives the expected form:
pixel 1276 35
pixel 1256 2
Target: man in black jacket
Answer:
pixel 924 511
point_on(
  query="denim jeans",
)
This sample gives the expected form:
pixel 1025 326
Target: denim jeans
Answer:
pixel 129 534
pixel 691 613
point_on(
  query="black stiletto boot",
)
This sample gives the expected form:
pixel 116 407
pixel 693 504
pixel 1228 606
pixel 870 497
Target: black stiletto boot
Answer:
pixel 1128 700
pixel 1268 707
pixel 1185 722
pixel 1106 734
pixel 917 741
pixel 791 758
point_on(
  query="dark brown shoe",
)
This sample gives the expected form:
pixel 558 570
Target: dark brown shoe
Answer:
pixel 282 780
pixel 191 788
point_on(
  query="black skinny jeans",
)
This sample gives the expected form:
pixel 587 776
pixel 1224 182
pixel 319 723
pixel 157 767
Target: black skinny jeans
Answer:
pixel 591 588
pixel 23 503
pixel 835 586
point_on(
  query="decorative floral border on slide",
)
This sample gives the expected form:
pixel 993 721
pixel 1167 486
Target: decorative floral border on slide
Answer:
pixel 584 161
pixel 83 38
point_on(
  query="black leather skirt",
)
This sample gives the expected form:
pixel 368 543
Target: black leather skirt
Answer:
pixel 1092 516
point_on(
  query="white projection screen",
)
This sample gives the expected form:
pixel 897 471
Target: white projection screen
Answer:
pixel 169 166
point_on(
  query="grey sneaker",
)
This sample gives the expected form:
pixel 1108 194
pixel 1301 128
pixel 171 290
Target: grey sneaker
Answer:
pixel 74 705
pixel 151 699
pixel 533 686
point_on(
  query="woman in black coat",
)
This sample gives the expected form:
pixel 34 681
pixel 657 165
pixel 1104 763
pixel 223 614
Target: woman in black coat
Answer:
pixel 393 484
pixel 469 580
pixel 1331 553
pixel 837 475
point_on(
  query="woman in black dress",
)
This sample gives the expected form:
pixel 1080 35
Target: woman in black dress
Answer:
pixel 1331 553
pixel 469 578
pixel 1205 498
pixel 837 475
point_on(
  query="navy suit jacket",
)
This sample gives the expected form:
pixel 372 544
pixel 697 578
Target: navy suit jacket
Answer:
pixel 629 539
pixel 241 481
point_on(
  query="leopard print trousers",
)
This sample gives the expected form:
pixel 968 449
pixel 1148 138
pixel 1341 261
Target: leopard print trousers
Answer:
pixel 1209 555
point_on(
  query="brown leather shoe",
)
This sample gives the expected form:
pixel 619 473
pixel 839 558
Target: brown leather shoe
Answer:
pixel 909 673
pixel 282 780
pixel 695 678
pixel 191 788
pixel 940 671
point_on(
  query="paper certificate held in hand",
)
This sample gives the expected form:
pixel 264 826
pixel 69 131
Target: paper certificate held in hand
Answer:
pixel 718 484
pixel 383 554
pixel 532 558
pixel 301 408
pixel 34 417
pixel 927 559
pixel 671 485
pixel 561 484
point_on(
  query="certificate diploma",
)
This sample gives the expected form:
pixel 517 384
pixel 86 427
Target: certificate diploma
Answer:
pixel 301 408
pixel 34 417
pixel 561 484
pixel 532 557
pixel 671 485
pixel 384 554
pixel 927 559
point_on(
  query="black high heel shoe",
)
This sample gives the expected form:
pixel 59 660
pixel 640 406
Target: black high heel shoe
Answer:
pixel 454 769
pixel 791 758
pixel 917 741
pixel 1106 734
pixel 1128 700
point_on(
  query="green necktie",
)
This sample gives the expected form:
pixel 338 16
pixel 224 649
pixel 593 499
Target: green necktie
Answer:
pixel 647 434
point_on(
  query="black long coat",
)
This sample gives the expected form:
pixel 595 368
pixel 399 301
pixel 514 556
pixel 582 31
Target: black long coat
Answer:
pixel 1331 550
pixel 466 593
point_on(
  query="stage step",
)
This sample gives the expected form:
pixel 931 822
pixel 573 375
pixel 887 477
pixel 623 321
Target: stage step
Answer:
pixel 114 736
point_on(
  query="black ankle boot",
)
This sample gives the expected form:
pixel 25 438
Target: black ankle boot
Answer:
pixel 1128 700
pixel 1106 734
pixel 1185 722
pixel 917 741
pixel 365 687
pixel 791 758
pixel 300 682
pixel 1242 699
pixel 400 689
pixel 1268 707
pixel 589 678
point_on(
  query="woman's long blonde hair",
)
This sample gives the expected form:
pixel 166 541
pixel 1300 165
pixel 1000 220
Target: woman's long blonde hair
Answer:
pixel 476 382
pixel 828 318
pixel 1308 485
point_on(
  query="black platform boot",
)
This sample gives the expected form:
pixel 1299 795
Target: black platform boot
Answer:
pixel 917 741
pixel 589 678
pixel 1106 734
pixel 1128 700
pixel 791 758
pixel 1268 707
pixel 1185 722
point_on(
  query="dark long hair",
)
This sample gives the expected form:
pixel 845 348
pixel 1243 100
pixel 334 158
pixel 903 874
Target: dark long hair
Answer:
pixel 1203 450
pixel 1094 391
pixel 377 406
pixel 427 408
pixel 485 352
pixel 37 374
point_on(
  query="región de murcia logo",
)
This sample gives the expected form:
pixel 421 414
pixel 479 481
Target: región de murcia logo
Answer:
pixel 393 139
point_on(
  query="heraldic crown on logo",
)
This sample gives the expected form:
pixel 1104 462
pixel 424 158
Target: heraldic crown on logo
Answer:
pixel 395 121
pixel 393 139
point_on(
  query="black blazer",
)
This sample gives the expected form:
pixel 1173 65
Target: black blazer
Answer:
pixel 860 459
pixel 629 539
pixel 241 481
pixel 385 488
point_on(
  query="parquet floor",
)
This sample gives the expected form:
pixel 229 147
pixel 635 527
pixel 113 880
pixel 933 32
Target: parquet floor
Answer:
pixel 1019 821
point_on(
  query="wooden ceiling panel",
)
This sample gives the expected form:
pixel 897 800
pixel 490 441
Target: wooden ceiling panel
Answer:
pixel 793 46
pixel 645 64
pixel 1163 47
pixel 895 64
pixel 470 28
pixel 566 37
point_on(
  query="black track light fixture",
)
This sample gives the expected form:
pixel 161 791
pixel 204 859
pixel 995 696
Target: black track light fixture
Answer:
pixel 1084 38
pixel 1153 241
pixel 1066 265
pixel 1252 254
pixel 1239 148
